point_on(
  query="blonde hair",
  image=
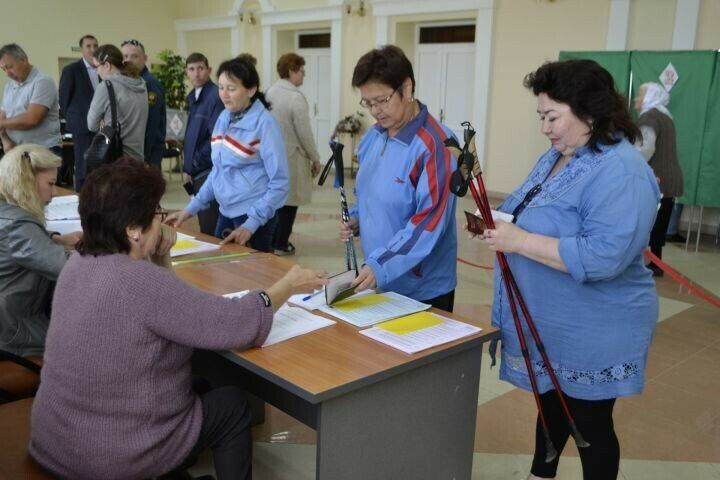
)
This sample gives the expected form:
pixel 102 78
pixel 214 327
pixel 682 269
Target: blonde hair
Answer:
pixel 17 177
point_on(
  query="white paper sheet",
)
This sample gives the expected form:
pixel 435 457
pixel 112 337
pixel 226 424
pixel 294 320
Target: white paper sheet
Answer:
pixel 497 215
pixel 237 294
pixel 396 306
pixel 290 322
pixel 425 338
pixel 63 208
pixel 64 226
pixel 314 300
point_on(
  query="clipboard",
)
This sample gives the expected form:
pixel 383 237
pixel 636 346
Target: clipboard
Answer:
pixel 338 287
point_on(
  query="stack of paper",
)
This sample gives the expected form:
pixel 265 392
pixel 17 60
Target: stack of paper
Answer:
pixel 186 246
pixel 289 322
pixel 420 331
pixel 64 226
pixel 63 208
pixel 365 309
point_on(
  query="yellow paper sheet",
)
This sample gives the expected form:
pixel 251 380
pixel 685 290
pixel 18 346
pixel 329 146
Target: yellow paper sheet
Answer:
pixel 411 323
pixel 360 302
pixel 182 244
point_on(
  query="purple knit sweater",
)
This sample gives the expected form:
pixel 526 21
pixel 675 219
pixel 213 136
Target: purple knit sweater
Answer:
pixel 115 398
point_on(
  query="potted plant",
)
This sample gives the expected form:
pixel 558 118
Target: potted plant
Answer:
pixel 171 75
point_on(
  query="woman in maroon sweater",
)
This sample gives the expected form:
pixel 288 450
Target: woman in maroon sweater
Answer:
pixel 116 399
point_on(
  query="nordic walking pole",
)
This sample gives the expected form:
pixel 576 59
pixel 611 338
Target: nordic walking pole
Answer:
pixel 337 159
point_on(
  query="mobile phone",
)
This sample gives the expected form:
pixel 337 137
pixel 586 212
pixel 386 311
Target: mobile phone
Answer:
pixel 475 224
pixel 188 186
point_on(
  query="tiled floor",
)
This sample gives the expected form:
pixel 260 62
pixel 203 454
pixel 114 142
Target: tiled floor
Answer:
pixel 672 431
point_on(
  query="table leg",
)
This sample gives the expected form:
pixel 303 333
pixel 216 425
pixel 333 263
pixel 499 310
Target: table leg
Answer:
pixel 419 425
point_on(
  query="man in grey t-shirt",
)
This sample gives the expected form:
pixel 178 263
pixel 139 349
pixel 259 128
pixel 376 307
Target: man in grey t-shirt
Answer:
pixel 30 111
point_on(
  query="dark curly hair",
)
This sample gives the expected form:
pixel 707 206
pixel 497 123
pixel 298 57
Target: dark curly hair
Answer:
pixel 589 90
pixel 387 65
pixel 123 194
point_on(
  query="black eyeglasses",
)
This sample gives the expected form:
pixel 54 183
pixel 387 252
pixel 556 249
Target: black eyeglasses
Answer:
pixel 132 42
pixel 380 103
pixel 162 212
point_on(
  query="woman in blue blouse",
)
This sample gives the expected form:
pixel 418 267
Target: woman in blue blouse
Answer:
pixel 249 177
pixel 582 221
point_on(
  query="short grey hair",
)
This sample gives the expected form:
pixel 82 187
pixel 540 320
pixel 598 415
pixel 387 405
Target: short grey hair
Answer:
pixel 14 50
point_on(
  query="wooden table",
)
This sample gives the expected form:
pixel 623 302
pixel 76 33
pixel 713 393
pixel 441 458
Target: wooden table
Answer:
pixel 378 413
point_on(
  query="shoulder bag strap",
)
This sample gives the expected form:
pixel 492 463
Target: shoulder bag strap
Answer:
pixel 113 106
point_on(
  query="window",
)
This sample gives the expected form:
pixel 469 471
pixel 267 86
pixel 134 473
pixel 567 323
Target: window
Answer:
pixel 448 34
pixel 314 40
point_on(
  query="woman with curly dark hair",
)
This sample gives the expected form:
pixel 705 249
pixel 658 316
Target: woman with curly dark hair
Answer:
pixel 581 221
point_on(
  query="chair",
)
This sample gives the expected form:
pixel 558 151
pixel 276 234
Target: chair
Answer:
pixel 15 461
pixel 19 377
pixel 173 149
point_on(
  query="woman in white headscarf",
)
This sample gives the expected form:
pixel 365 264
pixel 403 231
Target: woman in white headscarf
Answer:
pixel 658 147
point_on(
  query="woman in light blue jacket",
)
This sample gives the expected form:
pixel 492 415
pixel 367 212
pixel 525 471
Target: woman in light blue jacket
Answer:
pixel 249 177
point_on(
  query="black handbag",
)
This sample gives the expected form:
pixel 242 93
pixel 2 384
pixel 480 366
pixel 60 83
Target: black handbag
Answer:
pixel 106 146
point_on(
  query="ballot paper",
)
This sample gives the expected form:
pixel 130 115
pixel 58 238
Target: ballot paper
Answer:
pixel 63 208
pixel 186 246
pixel 289 322
pixel 64 226
pixel 420 331
pixel 367 308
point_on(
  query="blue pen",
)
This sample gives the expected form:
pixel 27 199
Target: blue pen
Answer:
pixel 311 295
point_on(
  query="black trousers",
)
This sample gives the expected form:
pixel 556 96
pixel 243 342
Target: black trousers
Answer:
pixel 81 142
pixel 286 220
pixel 207 218
pixel 226 431
pixel 601 460
pixel 445 301
pixel 659 230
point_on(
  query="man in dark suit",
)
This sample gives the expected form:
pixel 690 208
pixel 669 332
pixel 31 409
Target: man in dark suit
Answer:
pixel 204 107
pixel 77 87
pixel 134 52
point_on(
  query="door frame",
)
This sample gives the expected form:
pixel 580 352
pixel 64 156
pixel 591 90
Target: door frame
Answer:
pixel 385 11
pixel 302 52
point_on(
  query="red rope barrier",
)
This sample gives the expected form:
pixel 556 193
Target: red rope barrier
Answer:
pixel 484 267
pixel 679 278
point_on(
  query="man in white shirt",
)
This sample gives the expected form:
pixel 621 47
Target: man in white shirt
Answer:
pixel 77 86
pixel 29 112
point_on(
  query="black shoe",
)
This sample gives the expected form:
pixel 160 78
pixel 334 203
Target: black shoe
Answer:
pixel 675 238
pixel 656 271
pixel 289 250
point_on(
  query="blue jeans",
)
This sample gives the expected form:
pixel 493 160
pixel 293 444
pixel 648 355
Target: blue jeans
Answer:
pixel 261 240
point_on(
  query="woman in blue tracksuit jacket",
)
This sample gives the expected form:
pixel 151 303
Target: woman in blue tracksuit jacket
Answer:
pixel 405 214
pixel 249 177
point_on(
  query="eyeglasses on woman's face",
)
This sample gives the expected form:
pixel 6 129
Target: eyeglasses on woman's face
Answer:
pixel 381 104
pixel 162 213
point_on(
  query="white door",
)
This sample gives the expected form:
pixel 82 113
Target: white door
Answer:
pixel 316 88
pixel 445 76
